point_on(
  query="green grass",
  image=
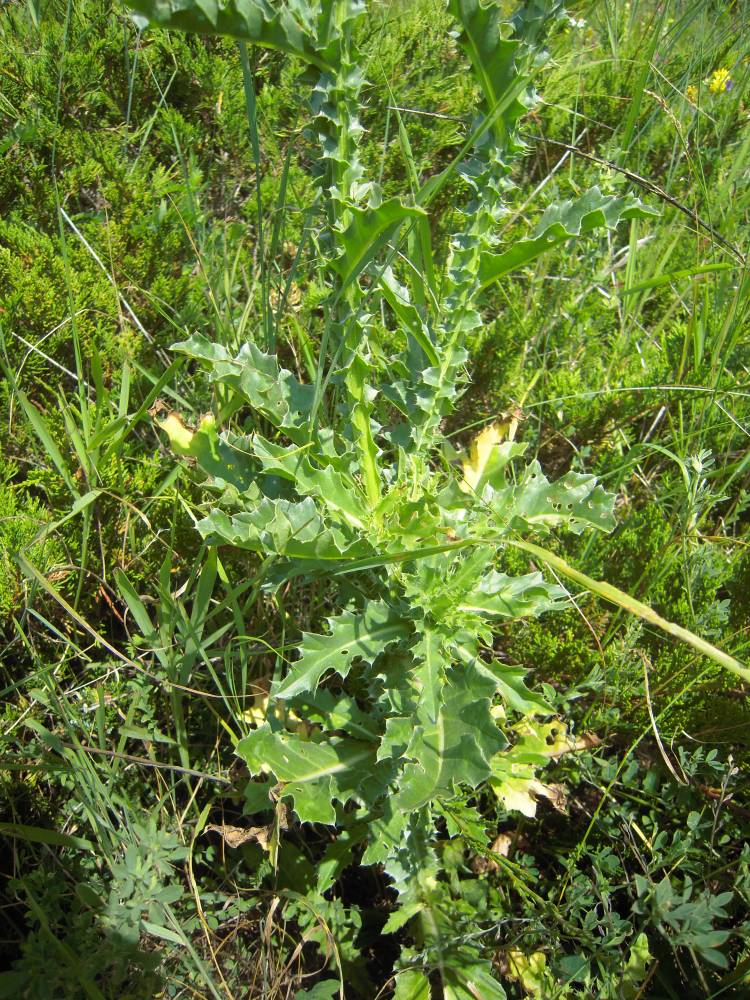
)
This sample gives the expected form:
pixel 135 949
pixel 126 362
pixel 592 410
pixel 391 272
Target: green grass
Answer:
pixel 131 653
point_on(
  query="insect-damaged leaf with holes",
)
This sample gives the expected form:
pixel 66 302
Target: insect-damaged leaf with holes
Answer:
pixel 514 771
pixel 576 501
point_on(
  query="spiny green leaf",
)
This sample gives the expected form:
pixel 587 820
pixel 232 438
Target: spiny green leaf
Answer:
pixel 493 59
pixel 367 231
pixel 402 916
pixel 257 21
pixel 339 492
pixel 428 676
pixel 454 747
pixel 273 391
pixel 295 530
pixel 508 679
pixel 575 501
pixel 388 826
pixel 410 859
pixel 397 297
pixel 314 774
pixel 562 222
pixel 361 635
pixel 338 712
pixel 502 596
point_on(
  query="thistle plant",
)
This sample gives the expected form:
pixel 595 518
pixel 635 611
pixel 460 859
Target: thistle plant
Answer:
pixel 406 710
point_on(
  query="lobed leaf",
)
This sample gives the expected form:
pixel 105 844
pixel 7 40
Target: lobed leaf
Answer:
pixel 283 527
pixel 454 747
pixel 219 456
pixel 576 501
pixel 493 59
pixel 257 377
pixel 338 491
pixel 273 25
pixel 509 680
pixel 314 774
pixel 367 230
pixel 562 222
pixel 502 596
pixel 364 635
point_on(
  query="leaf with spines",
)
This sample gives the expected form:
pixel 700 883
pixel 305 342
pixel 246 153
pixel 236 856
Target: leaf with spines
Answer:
pixel 337 712
pixel 575 502
pixel 428 676
pixel 256 376
pixel 314 774
pixel 409 317
pixel 509 680
pixel 498 595
pixel 410 858
pixel 283 527
pixel 456 746
pixel 260 22
pixel 592 211
pixel 367 231
pixel 338 491
pixel 354 635
pixel 494 61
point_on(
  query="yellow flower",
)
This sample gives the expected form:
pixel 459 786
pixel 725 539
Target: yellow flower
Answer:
pixel 720 81
pixel 692 94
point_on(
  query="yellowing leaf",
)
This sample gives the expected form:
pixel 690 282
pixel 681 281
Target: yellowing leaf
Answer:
pixel 514 776
pixel 480 454
pixel 521 793
pixel 636 969
pixel 179 434
pixel 530 971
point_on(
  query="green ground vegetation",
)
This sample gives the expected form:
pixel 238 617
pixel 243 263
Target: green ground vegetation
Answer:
pixel 132 653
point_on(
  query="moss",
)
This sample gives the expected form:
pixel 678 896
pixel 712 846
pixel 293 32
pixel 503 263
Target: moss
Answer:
pixel 22 519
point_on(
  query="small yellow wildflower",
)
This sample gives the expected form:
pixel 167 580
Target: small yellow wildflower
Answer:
pixel 720 81
pixel 692 94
